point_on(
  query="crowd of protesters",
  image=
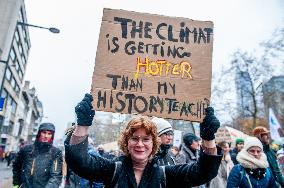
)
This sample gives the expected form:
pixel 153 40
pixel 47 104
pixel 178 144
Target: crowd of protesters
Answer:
pixel 147 157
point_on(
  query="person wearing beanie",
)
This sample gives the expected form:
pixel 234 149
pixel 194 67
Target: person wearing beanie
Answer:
pixel 234 152
pixel 253 168
pixel 263 135
pixel 40 164
pixel 165 135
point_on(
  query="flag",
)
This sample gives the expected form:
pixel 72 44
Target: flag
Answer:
pixel 273 125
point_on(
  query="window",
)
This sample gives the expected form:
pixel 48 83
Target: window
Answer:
pixel 24 60
pixel 17 89
pixel 13 54
pixel 21 48
pixel 17 36
pixel 8 74
pixel 17 66
pixel 14 106
pixel 21 75
pixel 13 82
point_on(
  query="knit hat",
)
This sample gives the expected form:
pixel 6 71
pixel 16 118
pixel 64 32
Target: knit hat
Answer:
pixel 239 140
pixel 252 141
pixel 259 130
pixel 188 138
pixel 162 125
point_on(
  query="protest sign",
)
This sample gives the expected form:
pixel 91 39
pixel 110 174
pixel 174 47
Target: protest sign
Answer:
pixel 153 65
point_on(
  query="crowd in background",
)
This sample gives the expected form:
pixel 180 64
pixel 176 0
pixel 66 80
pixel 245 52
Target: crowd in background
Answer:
pixel 246 163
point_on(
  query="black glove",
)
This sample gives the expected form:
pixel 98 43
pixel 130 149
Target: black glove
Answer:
pixel 84 111
pixel 209 125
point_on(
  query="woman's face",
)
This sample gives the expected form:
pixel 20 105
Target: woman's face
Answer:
pixel 140 145
pixel 255 151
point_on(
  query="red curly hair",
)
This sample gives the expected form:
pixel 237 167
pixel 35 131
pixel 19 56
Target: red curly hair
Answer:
pixel 132 126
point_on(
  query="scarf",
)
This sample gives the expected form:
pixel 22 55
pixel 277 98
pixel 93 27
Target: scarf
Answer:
pixel 247 160
pixel 163 150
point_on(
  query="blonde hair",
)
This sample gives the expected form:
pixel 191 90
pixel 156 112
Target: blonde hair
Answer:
pixel 132 126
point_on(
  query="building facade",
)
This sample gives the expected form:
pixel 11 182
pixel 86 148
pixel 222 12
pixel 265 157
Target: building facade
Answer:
pixel 14 50
pixel 273 95
pixel 244 97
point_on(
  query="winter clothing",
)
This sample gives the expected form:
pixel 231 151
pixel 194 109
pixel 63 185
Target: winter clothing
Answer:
pixel 220 181
pixel 249 161
pixel 252 141
pixel 38 165
pixel 46 126
pixel 74 181
pixel 239 141
pixel 209 125
pixel 188 139
pixel 122 176
pixel 259 131
pixel 234 154
pixel 251 171
pixel 188 155
pixel 242 178
pixel 163 125
pixel 273 164
pixel 84 111
pixel 164 158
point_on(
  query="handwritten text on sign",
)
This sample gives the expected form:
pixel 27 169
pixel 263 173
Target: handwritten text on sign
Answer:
pixel 153 65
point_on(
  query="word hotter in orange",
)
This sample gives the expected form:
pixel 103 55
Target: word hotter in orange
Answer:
pixel 162 68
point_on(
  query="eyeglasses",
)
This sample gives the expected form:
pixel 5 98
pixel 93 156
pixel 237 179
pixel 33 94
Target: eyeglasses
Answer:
pixel 169 133
pixel 145 140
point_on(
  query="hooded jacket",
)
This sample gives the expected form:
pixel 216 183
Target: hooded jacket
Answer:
pixel 164 158
pixel 38 165
pixel 102 170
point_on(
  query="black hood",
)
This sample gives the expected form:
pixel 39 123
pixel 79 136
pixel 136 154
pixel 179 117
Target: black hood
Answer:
pixel 47 127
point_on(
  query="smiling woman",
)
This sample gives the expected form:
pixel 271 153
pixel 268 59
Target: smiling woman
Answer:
pixel 138 166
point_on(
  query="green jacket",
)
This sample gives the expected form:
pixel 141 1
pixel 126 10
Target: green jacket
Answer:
pixel 273 164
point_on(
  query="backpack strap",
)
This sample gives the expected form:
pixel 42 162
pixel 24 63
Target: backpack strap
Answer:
pixel 242 171
pixel 162 177
pixel 115 176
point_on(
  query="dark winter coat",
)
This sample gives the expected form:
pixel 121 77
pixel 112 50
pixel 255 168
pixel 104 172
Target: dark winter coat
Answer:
pixel 234 154
pixel 122 176
pixel 237 178
pixel 38 166
pixel 273 164
pixel 188 156
pixel 164 158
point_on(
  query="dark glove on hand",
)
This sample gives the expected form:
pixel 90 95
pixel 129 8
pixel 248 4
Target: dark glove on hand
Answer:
pixel 84 111
pixel 209 125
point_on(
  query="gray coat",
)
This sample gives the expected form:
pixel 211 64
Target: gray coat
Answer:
pixel 187 156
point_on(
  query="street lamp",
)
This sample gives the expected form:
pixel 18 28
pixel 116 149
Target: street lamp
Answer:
pixel 51 29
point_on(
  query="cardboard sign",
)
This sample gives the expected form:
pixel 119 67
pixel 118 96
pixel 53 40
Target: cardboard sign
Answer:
pixel 153 65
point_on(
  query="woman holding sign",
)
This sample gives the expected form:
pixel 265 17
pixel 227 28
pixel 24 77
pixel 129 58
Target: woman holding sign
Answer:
pixel 138 167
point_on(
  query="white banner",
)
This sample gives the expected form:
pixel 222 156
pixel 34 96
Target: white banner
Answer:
pixel 273 125
pixel 177 138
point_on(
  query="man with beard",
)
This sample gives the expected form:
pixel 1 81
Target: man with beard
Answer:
pixel 40 164
pixel 165 135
